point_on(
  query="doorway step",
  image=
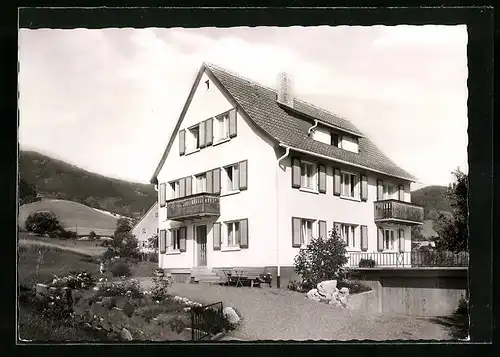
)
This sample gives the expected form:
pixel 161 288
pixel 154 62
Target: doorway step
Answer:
pixel 204 275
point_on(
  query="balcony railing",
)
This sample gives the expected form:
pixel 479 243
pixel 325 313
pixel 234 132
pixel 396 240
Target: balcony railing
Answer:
pixel 198 205
pixel 408 259
pixel 398 212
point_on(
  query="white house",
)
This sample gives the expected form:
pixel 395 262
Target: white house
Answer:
pixel 251 174
pixel 146 228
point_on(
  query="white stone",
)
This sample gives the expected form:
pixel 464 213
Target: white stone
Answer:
pixel 327 288
pixel 125 334
pixel 231 315
pixel 313 295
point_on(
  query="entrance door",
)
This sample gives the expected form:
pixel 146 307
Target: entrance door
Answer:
pixel 201 243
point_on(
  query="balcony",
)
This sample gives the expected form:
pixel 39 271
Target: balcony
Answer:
pixel 194 206
pixel 435 259
pixel 394 211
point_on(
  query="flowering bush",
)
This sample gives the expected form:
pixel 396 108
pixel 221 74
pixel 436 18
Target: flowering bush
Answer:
pixel 56 307
pixel 81 280
pixel 130 288
pixel 160 288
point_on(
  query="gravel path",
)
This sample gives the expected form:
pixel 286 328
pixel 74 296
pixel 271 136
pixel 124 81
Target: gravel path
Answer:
pixel 277 314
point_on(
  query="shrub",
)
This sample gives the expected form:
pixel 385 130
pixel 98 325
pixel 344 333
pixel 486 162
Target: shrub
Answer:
pixel 160 288
pixel 149 312
pixel 322 259
pixel 109 253
pixel 463 307
pixel 128 309
pixel 76 280
pixel 294 285
pixel 130 288
pixel 120 268
pixel 93 236
pixel 366 263
pixel 353 286
pixel 42 223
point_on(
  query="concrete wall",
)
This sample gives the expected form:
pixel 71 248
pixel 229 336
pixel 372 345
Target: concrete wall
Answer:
pixel 416 291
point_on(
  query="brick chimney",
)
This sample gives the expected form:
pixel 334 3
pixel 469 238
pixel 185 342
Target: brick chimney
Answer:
pixel 284 87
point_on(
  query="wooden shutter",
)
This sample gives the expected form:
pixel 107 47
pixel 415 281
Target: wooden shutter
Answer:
pixel 322 229
pixel 322 179
pixel 380 190
pixel 202 134
pixel 163 194
pixel 364 188
pixel 337 228
pixel 380 240
pixel 182 187
pixel 364 238
pixel 209 181
pixel 243 172
pixel 296 225
pixel 295 173
pixel 336 182
pixel 182 239
pixel 216 234
pixel 209 131
pixel 189 186
pixel 216 181
pixel 401 240
pixel 244 233
pixel 163 241
pixel 232 123
pixel 401 192
pixel 182 142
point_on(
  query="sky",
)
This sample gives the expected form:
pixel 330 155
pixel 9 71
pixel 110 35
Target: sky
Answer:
pixel 107 100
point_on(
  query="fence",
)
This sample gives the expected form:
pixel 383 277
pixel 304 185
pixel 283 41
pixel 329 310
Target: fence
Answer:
pixel 409 259
pixel 206 321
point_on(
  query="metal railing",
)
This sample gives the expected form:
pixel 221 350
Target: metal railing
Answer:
pixel 206 321
pixel 408 259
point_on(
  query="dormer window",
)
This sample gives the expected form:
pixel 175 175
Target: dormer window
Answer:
pixel 335 139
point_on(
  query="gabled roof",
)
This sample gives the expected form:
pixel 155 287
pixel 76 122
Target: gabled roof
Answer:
pixel 145 215
pixel 259 104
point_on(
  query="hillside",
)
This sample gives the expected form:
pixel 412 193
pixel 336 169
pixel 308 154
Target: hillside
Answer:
pixel 57 179
pixel 434 200
pixel 72 216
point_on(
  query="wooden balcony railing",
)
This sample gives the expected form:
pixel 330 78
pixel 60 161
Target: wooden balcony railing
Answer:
pixel 198 205
pixel 398 212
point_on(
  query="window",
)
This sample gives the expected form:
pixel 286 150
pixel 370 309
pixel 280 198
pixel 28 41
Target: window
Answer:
pixel 156 214
pixel 335 140
pixel 233 234
pixel 175 189
pixel 174 243
pixel 390 239
pixel 348 233
pixel 201 183
pixel 144 230
pixel 194 138
pixel 308 175
pixel 350 185
pixel 389 190
pixel 306 232
pixel 222 127
pixel 231 177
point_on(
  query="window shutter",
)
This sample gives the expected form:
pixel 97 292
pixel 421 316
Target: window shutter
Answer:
pixel 163 241
pixel 337 227
pixel 216 234
pixel 243 171
pixel 296 232
pixel 182 239
pixel 401 192
pixel 401 240
pixel 182 142
pixel 244 233
pixel 210 185
pixel 380 190
pixel 202 135
pixel 364 238
pixel 232 123
pixel 209 131
pixel 182 187
pixel 336 182
pixel 364 188
pixel 322 229
pixel 322 179
pixel 163 196
pixel 380 240
pixel 216 181
pixel 189 186
pixel 295 173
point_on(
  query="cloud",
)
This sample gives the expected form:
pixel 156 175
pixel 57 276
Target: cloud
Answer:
pixel 421 35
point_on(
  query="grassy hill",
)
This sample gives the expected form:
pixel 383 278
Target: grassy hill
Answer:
pixel 434 200
pixel 72 215
pixel 57 179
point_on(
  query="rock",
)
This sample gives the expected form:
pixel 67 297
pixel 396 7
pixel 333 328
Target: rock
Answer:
pixel 231 315
pixel 125 335
pixel 313 295
pixel 327 288
pixel 41 289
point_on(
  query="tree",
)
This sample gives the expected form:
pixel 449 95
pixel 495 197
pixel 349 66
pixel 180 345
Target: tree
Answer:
pixel 93 235
pixel 27 192
pixel 153 242
pixel 43 223
pixel 124 242
pixel 322 259
pixel 453 232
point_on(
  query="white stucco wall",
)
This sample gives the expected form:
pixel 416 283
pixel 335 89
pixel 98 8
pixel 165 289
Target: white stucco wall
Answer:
pixel 257 203
pixel 150 223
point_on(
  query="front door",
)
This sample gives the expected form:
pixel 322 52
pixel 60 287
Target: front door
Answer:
pixel 201 244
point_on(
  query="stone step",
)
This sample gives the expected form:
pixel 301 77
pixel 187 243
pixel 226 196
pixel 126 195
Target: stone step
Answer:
pixel 206 278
